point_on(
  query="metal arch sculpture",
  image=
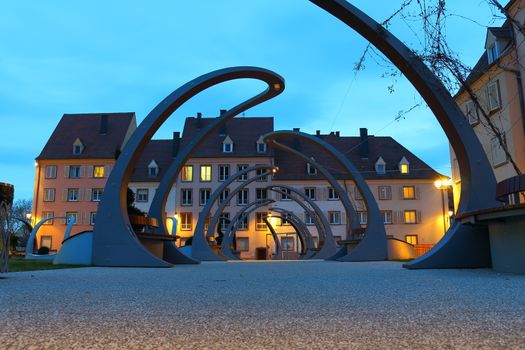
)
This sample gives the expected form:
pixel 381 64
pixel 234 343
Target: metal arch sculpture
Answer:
pixel 114 242
pixel 462 245
pixel 373 246
pixel 200 249
pixel 31 240
pixel 329 247
pixel 278 247
pixel 233 225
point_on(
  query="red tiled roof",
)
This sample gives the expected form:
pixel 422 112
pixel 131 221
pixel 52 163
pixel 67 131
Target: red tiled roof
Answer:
pixel 86 127
pixel 158 150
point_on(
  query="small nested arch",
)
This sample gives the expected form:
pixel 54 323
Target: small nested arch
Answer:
pixel 114 242
pixel 373 245
pixel 30 245
pixel 200 249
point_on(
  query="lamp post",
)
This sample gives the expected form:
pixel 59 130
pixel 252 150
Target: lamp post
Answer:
pixel 442 185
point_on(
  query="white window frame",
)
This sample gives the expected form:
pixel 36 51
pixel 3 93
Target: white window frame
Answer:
pixel 261 147
pixel 223 195
pixel 286 197
pixel 49 194
pixel 411 222
pixel 408 187
pixel 184 173
pixel 497 153
pixel 384 193
pixel 387 217
pixel 332 194
pixel 224 172
pixel 334 217
pixel 242 196
pixel 186 197
pixel 310 169
pixel 494 86
pixel 205 173
pixel 206 191
pixel 73 194
pixel 308 219
pixel 261 191
pixel 186 221
pixel 92 216
pixel 227 147
pixel 72 214
pixel 75 171
pixel 51 172
pixel 241 167
pixel 142 195
pixel 310 192
pixel 96 194
pixel 471 112
pixel 244 223
pixel 363 217
pixel 260 225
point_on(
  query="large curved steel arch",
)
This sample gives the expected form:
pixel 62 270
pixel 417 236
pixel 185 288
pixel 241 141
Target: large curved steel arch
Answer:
pixel 114 242
pixel 233 225
pixel 307 242
pixel 329 247
pixel 462 245
pixel 200 249
pixel 373 246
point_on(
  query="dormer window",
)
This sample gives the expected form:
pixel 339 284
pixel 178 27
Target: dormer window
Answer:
pixel 404 166
pixel 227 145
pixel 380 166
pixel 261 146
pixel 492 53
pixel 497 41
pixel 78 147
pixel 153 169
pixel 310 169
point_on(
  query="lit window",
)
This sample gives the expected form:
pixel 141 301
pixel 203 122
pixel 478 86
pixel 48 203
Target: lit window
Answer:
pixel 51 171
pixel 223 196
pixel 243 244
pixel 98 171
pixel 187 173
pixel 287 244
pixel 363 217
pixel 205 175
pixel 72 216
pixel 205 194
pixel 387 217
pixel 186 221
pixel 403 168
pixel 74 172
pixel 310 169
pixel 284 222
pixel 334 217
pixel 49 194
pixel 92 216
pixel 493 96
pixel 260 225
pixel 471 112
pixel 241 167
pixel 96 194
pixel 409 192
pixel 242 197
pixel 46 215
pixel 186 196
pixel 385 192
pixel 45 241
pixel 243 223
pixel 142 194
pixel 412 239
pixel 72 195
pixel 410 217
pixel 224 172
pixel 310 192
pixel 261 193
pixel 332 194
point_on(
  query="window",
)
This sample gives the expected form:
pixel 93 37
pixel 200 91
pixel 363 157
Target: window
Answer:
pixel 72 194
pixel 409 192
pixel 98 171
pixel 74 172
pixel 493 96
pixel 334 217
pixel 404 166
pixel 308 220
pixel 498 154
pixel 205 175
pixel 46 215
pixel 286 195
pixel 243 223
pixel 471 112
pixel 185 221
pixel 142 194
pixel 49 194
pixel 261 193
pixel 387 217
pixel 261 147
pixel 92 216
pixel 224 221
pixel 227 147
pixel 241 167
pixel 362 216
pixel 310 192
pixel 284 222
pixel 412 239
pixel 77 150
pixel 259 172
pixel 260 225
pixel 287 244
pixel 153 171
pixel 242 197
pixel 385 192
pixel 96 194
pixel 72 216
pixel 187 173
pixel 51 171
pixel 186 196
pixel 45 241
pixel 380 166
pixel 357 194
pixel 243 244
pixel 332 194
pixel 410 217
pixel 492 53
pixel 205 194
pixel 224 172
pixel 223 196
pixel 310 169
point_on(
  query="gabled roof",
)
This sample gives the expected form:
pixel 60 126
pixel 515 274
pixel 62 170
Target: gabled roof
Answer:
pixel 159 151
pixel 86 127
pixel 294 168
pixel 243 131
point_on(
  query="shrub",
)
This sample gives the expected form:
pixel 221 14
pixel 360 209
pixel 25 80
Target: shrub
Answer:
pixel 43 251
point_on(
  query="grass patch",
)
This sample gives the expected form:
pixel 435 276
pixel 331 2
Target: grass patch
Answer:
pixel 17 264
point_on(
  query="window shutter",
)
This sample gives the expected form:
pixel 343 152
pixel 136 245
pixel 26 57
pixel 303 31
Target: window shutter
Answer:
pixel 90 171
pixel 83 171
pixel 88 194
pixel 343 218
pixel 417 192
pixel 401 192
pixel 66 171
pixel 64 195
pixel 107 170
pixel 418 216
pixel 64 218
pixel 396 217
pixel 389 192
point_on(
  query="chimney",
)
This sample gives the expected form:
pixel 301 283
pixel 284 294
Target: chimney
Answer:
pixel 332 133
pixel 296 129
pixel 317 132
pixel 337 133
pixel 175 144
pixel 222 111
pixel 199 120
pixel 103 124
pixel 363 140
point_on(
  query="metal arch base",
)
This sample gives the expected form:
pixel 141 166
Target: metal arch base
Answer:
pixel 478 184
pixel 114 242
pixel 373 246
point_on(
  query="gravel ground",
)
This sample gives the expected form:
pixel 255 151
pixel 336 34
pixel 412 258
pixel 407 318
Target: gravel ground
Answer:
pixel 270 305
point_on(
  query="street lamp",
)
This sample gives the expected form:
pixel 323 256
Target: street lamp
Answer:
pixel 442 185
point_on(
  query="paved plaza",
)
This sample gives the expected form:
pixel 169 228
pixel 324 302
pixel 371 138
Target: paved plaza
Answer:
pixel 263 305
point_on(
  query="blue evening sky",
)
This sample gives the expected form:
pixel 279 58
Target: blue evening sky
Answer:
pixel 61 56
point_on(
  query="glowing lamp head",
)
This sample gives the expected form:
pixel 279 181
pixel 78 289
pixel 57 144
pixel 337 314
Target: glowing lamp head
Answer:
pixel 450 213
pixel 28 216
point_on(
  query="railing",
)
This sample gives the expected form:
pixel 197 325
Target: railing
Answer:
pixel 509 190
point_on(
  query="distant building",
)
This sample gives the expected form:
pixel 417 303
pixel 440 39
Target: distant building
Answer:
pixel 412 208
